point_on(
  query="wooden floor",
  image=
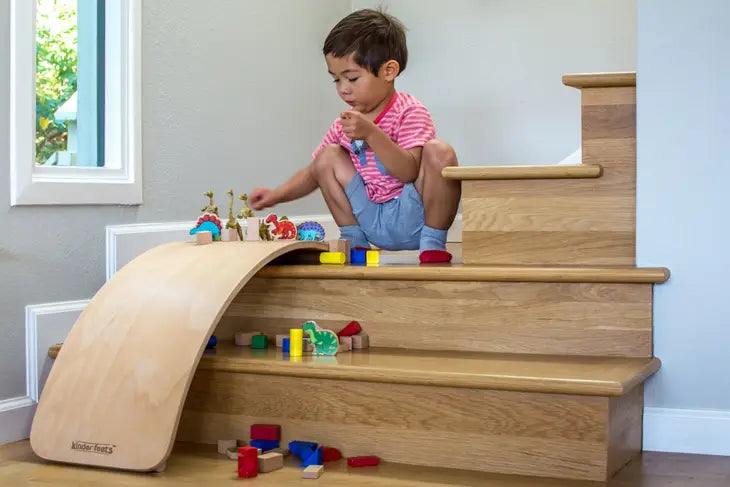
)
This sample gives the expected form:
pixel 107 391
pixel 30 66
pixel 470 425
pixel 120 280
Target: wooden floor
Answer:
pixel 201 465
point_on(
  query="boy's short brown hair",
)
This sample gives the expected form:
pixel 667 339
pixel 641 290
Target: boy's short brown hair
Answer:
pixel 373 36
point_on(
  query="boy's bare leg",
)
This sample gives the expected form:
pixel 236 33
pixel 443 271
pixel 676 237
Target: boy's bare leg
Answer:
pixel 440 196
pixel 333 171
pixel 440 199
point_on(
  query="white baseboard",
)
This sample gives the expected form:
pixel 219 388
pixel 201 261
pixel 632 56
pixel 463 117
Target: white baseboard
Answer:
pixel 125 242
pixel 704 432
pixel 16 416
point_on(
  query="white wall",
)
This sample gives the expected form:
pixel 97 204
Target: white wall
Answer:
pixel 490 70
pixel 683 137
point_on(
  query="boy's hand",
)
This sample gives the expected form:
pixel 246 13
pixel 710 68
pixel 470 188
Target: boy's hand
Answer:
pixel 261 198
pixel 355 125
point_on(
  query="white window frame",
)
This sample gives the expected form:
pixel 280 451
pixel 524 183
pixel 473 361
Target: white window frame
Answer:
pixel 120 181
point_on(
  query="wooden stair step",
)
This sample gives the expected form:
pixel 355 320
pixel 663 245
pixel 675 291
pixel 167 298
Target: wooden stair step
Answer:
pixel 578 171
pixel 483 273
pixel 594 376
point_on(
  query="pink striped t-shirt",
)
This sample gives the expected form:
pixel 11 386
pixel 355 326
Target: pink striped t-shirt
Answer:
pixel 407 122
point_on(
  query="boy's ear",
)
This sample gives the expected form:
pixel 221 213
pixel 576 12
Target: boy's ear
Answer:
pixel 390 70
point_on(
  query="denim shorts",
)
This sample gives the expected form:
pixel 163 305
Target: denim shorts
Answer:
pixel 393 225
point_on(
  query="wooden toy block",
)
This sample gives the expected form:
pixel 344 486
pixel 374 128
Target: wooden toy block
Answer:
pixel 265 445
pixel 203 238
pixel 307 345
pixel 252 229
pixel 330 454
pixel 232 453
pixel 285 345
pixel 241 442
pixel 284 451
pixel 372 257
pixel 360 341
pixel 335 258
pixel 325 341
pixel 224 445
pixel 352 328
pixel 244 339
pixel 358 257
pixel 340 246
pixel 345 344
pixel 229 235
pixel 313 472
pixel 259 341
pixel 302 449
pixel 280 340
pixel 268 462
pixel 368 461
pixel 295 343
pixel 315 458
pixel 248 462
pixel 270 432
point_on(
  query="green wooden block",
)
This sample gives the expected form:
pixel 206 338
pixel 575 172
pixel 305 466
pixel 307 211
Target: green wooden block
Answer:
pixel 259 341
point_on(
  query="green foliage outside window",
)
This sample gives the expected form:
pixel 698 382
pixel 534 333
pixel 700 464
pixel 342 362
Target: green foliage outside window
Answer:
pixel 56 65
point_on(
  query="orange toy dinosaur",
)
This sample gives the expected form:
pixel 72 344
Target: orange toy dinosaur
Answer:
pixel 284 229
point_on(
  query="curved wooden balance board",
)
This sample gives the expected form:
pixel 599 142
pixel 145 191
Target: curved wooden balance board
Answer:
pixel 115 394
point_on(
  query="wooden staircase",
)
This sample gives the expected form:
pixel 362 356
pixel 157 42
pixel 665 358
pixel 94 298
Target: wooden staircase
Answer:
pixel 529 358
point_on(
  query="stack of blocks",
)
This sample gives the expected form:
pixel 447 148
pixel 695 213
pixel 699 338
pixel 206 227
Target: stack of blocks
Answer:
pixel 352 337
pixel 260 456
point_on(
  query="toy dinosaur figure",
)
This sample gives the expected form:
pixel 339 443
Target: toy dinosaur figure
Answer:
pixel 210 223
pixel 210 208
pixel 232 222
pixel 245 212
pixel 310 231
pixel 265 231
pixel 325 341
pixel 283 229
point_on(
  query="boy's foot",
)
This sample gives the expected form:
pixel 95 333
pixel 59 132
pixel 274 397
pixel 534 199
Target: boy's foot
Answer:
pixel 434 257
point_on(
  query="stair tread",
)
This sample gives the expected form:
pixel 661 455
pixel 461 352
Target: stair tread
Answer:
pixel 600 80
pixel 600 376
pixel 554 171
pixel 460 272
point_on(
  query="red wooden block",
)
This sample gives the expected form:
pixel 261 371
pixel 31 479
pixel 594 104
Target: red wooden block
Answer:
pixel 352 328
pixel 369 461
pixel 248 462
pixel 330 454
pixel 266 432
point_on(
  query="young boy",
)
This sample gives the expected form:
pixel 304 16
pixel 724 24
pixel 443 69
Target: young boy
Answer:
pixel 379 165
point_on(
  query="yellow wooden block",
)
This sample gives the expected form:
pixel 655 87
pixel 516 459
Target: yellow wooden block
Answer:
pixel 372 257
pixel 296 336
pixel 332 258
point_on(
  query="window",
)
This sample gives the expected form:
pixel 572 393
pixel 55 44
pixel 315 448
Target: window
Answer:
pixel 75 102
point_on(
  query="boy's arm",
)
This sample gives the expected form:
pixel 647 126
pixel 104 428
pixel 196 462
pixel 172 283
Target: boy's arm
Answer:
pixel 298 186
pixel 402 164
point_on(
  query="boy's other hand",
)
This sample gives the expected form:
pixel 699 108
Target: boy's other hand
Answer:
pixel 355 125
pixel 261 198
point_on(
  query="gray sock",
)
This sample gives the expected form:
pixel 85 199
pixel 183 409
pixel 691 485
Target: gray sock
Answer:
pixel 355 235
pixel 433 238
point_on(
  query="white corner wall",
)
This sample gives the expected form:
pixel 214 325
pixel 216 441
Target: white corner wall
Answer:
pixel 683 151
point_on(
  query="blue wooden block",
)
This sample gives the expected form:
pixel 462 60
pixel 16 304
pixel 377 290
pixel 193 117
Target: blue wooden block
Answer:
pixel 212 342
pixel 265 445
pixel 285 349
pixel 358 256
pixel 302 449
pixel 314 459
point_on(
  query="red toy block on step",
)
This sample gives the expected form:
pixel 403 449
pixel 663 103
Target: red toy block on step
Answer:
pixel 266 432
pixel 330 454
pixel 352 328
pixel 248 462
pixel 369 461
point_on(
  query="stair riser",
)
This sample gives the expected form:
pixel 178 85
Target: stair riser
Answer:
pixel 571 222
pixel 602 319
pixel 493 431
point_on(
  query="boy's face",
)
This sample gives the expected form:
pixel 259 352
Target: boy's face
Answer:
pixel 360 88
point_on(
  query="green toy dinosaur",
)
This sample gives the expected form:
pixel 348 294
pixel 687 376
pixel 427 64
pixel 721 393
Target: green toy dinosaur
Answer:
pixel 325 341
pixel 232 222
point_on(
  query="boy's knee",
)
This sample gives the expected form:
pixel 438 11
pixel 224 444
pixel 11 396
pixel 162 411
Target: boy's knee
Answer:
pixel 328 157
pixel 438 154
